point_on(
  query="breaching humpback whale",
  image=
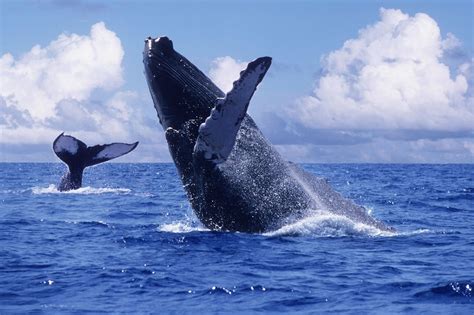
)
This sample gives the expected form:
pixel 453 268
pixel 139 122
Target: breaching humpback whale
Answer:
pixel 234 179
pixel 77 156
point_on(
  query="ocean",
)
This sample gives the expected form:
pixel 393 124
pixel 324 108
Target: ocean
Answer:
pixel 128 242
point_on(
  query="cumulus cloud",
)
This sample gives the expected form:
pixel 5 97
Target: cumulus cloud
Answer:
pixel 397 93
pixel 224 71
pixel 391 77
pixel 70 67
pixel 50 89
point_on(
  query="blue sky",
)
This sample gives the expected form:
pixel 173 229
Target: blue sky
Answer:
pixel 350 81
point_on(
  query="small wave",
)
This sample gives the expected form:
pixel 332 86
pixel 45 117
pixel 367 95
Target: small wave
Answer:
pixel 452 289
pixel 416 232
pixel 229 290
pixel 469 190
pixel 326 224
pixel 144 194
pixel 89 223
pixel 52 189
pixel 181 227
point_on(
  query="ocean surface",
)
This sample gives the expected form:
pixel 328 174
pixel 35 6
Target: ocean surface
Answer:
pixel 128 242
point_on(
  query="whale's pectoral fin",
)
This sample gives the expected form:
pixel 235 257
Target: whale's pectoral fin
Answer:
pixel 105 152
pixel 218 133
pixel 68 148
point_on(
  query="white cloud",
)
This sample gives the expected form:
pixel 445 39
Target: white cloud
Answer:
pixel 48 90
pixel 224 71
pixel 450 42
pixel 390 77
pixel 380 150
pixel 70 67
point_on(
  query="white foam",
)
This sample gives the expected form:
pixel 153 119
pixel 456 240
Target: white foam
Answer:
pixel 318 224
pixel 181 227
pixel 52 189
pixel 416 232
pixel 326 224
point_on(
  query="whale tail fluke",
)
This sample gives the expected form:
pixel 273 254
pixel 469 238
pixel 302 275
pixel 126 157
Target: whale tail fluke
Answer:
pixel 218 133
pixel 77 155
pixel 105 152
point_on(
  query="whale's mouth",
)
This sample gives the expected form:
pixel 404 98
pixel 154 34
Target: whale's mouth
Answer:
pixel 180 91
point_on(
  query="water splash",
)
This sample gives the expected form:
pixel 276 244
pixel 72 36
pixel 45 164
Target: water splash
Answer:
pixel 181 227
pixel 307 189
pixel 325 224
pixel 52 189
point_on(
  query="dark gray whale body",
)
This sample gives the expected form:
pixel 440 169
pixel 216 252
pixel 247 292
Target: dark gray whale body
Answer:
pixel 235 180
pixel 77 156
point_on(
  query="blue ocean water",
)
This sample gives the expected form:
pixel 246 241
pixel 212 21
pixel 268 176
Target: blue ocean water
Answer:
pixel 128 242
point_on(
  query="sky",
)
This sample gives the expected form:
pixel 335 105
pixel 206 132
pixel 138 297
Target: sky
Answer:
pixel 351 81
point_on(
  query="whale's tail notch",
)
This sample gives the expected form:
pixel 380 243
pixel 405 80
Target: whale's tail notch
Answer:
pixel 218 133
pixel 77 155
